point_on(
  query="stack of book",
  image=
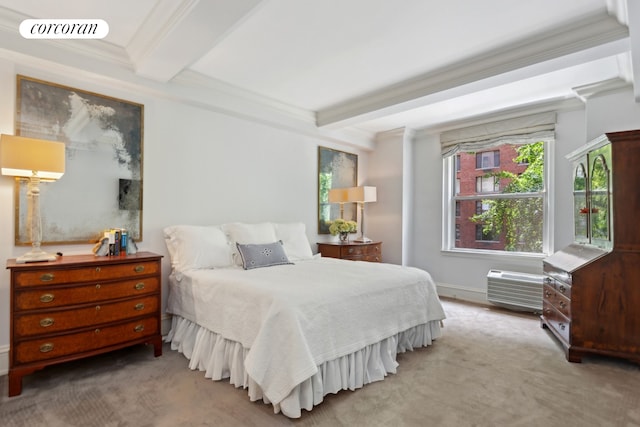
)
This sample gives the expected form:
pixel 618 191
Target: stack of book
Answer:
pixel 114 242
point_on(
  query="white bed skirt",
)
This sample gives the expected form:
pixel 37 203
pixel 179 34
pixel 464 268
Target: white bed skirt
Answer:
pixel 220 358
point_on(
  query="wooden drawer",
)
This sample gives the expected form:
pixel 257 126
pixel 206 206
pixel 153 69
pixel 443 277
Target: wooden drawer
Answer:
pixel 50 297
pixel 352 251
pixel 87 274
pixel 64 345
pixel 362 252
pixel 560 325
pixel 47 322
pixel 561 286
pixel 558 300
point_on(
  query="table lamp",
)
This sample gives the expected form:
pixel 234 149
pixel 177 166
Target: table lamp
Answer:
pixel 38 160
pixel 362 195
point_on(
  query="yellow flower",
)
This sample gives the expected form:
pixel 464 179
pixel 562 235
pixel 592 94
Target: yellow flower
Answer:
pixel 341 226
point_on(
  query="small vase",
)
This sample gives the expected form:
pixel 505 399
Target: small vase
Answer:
pixel 344 237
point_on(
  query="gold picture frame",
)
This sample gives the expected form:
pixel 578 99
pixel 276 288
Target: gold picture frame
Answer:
pixel 103 139
pixel 336 169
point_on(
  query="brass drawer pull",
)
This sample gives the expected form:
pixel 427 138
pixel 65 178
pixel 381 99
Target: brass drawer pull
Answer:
pixel 139 306
pixel 46 297
pixel 97 331
pixel 98 286
pixel 562 289
pixel 98 269
pixel 47 277
pixel 46 322
pixel 139 286
pixel 563 304
pixel 46 347
pixel 139 328
pixel 97 308
pixel 139 268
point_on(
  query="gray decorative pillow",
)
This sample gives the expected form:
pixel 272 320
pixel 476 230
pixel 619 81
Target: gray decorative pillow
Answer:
pixel 256 255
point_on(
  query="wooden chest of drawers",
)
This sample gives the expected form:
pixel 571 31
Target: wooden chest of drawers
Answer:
pixel 353 251
pixel 592 308
pixel 80 306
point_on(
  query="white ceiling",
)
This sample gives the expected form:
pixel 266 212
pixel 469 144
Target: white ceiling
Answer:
pixel 371 65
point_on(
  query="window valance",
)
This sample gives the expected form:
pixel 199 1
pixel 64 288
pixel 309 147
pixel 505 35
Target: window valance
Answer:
pixel 517 130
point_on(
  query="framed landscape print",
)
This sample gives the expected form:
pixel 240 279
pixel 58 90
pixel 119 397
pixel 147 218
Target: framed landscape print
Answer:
pixel 336 169
pixel 102 184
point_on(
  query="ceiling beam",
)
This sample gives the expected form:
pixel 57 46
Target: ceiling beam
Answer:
pixel 546 50
pixel 178 33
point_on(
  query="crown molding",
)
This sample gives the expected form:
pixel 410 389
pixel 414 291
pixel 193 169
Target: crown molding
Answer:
pixel 196 80
pixel 633 15
pixel 199 93
pixel 588 32
pixel 586 92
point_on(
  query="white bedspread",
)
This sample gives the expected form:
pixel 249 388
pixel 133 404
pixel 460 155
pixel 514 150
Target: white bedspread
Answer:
pixel 293 318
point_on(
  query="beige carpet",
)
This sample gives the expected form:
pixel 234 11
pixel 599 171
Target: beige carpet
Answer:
pixel 491 368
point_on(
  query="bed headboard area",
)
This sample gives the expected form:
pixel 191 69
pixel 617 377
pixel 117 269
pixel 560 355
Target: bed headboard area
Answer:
pixel 193 247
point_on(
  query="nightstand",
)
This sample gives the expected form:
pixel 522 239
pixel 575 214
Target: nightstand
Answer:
pixel 371 251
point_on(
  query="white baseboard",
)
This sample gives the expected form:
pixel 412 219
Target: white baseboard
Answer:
pixel 4 350
pixel 4 360
pixel 458 292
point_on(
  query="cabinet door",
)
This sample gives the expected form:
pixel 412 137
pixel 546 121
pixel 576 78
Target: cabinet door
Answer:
pixel 600 197
pixel 580 206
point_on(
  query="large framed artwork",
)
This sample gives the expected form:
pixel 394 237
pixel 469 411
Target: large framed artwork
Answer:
pixel 102 184
pixel 336 169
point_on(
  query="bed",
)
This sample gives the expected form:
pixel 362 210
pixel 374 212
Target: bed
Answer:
pixel 252 304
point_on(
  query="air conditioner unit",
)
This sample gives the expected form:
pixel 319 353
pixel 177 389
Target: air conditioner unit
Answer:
pixel 514 290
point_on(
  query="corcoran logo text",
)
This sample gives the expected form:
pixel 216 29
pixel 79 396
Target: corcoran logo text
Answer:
pixel 64 29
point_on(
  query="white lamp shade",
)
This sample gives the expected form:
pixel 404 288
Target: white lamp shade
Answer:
pixel 338 195
pixel 362 194
pixel 20 156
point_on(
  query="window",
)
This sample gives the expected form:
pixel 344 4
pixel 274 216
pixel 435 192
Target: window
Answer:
pixel 481 207
pixel 487 184
pixel 502 209
pixel 488 160
pixel 484 235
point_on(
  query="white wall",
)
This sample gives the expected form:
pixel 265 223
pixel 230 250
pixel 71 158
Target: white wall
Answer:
pixel 384 221
pixel 612 112
pixel 200 167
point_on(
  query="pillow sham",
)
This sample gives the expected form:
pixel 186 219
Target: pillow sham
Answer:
pixel 239 232
pixel 197 247
pixel 259 255
pixel 294 239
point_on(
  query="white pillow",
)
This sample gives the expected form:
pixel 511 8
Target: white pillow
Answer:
pixel 294 239
pixel 197 247
pixel 239 232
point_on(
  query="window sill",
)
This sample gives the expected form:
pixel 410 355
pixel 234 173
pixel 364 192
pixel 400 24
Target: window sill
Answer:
pixel 488 254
